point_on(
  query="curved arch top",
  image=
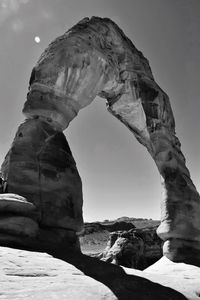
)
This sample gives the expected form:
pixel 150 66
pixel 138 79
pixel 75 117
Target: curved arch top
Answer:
pixel 96 58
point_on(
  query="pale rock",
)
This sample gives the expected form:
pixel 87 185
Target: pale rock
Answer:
pixel 37 276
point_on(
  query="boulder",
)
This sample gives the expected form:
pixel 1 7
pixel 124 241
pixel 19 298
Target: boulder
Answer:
pixel 136 248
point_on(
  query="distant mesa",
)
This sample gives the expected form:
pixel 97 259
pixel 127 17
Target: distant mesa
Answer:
pixel 108 225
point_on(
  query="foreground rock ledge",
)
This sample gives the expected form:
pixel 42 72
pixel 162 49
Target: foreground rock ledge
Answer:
pixel 38 276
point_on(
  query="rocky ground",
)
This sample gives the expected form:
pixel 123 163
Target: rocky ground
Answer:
pixel 39 276
pixel 27 275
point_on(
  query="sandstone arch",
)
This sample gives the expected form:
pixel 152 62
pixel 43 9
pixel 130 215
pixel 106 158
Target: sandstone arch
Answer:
pixel 96 58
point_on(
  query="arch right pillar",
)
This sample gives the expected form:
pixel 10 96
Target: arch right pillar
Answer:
pixel 151 121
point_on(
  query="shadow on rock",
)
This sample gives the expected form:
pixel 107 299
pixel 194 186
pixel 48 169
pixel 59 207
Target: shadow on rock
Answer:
pixel 114 277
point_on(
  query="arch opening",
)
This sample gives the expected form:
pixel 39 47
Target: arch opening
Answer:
pixel 119 178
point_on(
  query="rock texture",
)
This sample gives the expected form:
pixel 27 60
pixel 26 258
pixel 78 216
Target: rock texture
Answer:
pixel 96 58
pixel 179 276
pixel 136 248
pixel 38 276
pixel 41 168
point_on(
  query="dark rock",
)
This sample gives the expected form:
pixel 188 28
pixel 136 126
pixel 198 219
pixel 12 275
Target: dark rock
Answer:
pixel 40 167
pixel 91 228
pixel 136 248
pixel 99 226
pixel 119 225
pixel 18 226
pixel 15 204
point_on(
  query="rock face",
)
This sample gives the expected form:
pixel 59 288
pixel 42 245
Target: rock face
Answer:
pixel 136 248
pixel 96 58
pixel 41 168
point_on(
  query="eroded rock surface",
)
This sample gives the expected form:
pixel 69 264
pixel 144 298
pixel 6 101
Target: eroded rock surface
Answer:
pixel 136 248
pixel 41 168
pixel 37 276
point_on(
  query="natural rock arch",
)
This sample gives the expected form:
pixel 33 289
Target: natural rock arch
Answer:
pixel 96 58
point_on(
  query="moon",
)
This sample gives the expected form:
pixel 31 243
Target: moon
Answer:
pixel 37 39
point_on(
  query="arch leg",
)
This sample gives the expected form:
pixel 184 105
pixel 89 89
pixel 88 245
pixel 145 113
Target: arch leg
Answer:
pixel 147 113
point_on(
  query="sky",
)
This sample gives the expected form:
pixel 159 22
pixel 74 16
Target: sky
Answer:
pixel 119 177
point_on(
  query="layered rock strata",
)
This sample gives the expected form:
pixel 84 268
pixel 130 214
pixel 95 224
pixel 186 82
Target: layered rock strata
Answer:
pixel 96 58
pixel 41 168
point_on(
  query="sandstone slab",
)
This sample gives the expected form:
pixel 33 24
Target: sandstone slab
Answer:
pixel 181 277
pixel 31 275
pixel 38 276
